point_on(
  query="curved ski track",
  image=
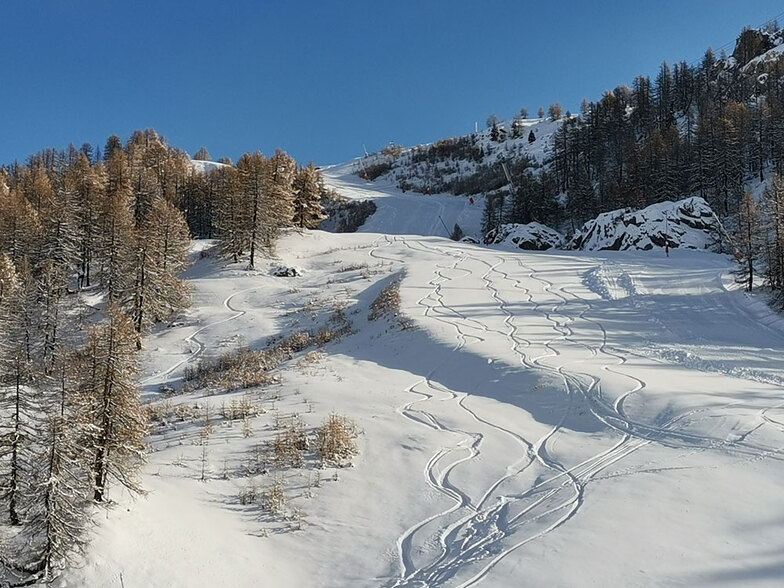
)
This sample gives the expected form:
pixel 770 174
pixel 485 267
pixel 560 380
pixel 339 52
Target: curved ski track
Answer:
pixel 163 377
pixel 474 535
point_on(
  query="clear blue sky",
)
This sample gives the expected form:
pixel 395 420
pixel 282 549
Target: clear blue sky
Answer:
pixel 321 78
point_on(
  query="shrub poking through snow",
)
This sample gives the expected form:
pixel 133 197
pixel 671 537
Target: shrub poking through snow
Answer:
pixel 234 370
pixel 249 494
pixel 336 440
pixel 274 499
pixel 247 368
pixel 289 445
pixel 387 304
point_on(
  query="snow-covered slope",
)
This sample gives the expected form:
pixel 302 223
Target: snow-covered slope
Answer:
pixel 688 224
pixel 401 213
pixel 554 419
pixel 464 165
pixel 204 167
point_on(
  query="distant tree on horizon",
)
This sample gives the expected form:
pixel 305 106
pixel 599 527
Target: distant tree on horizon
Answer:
pixel 202 155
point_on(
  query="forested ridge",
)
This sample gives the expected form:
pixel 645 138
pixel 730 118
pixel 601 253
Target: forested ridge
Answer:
pixel 92 245
pixel 713 128
pixel 707 128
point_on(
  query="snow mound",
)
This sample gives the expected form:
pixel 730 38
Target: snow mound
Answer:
pixel 533 236
pixel 689 224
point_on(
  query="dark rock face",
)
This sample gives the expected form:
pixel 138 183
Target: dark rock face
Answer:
pixel 688 223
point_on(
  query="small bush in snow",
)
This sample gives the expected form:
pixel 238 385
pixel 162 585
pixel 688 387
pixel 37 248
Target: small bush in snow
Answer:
pixel 387 304
pixel 249 494
pixel 336 440
pixel 274 499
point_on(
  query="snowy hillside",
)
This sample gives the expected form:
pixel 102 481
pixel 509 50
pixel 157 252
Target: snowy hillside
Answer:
pixel 464 165
pixel 567 419
pixel 401 213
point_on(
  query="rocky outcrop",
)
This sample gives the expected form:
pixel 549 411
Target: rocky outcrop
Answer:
pixel 533 236
pixel 688 223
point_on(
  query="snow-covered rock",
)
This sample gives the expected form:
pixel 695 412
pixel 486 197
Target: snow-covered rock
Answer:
pixel 283 271
pixel 533 236
pixel 689 224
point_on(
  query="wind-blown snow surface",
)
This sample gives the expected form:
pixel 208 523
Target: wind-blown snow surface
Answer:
pixel 566 419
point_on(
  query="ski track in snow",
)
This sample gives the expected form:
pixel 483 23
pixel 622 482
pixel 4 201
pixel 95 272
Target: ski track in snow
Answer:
pixel 473 535
pixel 162 378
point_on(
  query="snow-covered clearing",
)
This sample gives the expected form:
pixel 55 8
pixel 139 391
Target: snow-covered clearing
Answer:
pixel 556 418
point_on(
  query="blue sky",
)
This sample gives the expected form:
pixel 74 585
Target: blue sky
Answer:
pixel 320 79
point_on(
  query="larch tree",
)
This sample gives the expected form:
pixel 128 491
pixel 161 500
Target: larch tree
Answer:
pixel 202 155
pixel 555 111
pixel 252 171
pixel 116 225
pixel 59 515
pixel 145 155
pixel 282 170
pixel 88 184
pixel 307 198
pixel 110 401
pixel 17 400
pixel 230 212
pixel 155 290
pixel 58 520
pixel 748 237
pixel 773 206
pixel 20 227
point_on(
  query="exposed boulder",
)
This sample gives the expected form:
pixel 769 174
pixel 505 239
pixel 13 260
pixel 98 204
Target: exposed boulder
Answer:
pixel 282 271
pixel 533 236
pixel 689 224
